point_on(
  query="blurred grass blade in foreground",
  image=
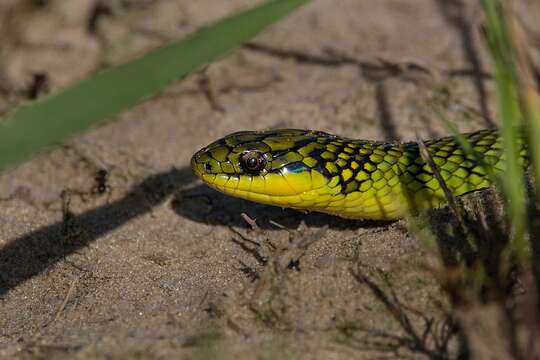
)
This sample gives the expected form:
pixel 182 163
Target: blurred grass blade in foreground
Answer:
pixel 502 58
pixel 529 98
pixel 34 127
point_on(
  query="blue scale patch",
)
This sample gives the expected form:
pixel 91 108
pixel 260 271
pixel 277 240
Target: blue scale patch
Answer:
pixel 296 167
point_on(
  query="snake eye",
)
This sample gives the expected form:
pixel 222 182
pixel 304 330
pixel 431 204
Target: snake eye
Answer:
pixel 252 161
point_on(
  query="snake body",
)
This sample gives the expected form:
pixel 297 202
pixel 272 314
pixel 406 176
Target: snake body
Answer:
pixel 359 179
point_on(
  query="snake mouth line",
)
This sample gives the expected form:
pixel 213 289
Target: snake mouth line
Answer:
pixel 211 182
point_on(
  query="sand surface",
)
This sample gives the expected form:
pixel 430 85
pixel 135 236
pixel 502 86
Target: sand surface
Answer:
pixel 160 266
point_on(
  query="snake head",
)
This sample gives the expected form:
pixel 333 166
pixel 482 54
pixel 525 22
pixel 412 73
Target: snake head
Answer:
pixel 277 167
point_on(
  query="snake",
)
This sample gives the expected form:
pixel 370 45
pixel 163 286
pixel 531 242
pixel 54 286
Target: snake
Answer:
pixel 312 170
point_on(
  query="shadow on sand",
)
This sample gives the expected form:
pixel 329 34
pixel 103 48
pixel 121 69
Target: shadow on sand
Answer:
pixel 27 256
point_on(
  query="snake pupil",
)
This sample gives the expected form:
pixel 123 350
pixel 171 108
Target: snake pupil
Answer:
pixel 208 167
pixel 252 163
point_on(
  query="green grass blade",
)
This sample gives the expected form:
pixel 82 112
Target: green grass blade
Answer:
pixel 34 127
pixel 505 76
pixel 510 115
pixel 530 104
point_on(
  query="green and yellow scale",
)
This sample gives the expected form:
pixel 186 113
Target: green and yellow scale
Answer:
pixel 316 171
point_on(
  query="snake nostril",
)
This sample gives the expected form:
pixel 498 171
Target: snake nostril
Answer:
pixel 207 167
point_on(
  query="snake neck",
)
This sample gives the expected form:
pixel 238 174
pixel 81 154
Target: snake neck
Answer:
pixel 377 180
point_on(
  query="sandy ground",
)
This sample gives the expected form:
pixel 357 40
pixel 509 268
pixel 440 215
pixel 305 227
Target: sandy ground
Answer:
pixel 160 266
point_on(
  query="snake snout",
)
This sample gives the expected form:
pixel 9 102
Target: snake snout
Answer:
pixel 197 163
pixel 204 165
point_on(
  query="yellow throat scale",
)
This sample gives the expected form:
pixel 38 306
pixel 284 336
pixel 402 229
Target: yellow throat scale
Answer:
pixel 358 179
